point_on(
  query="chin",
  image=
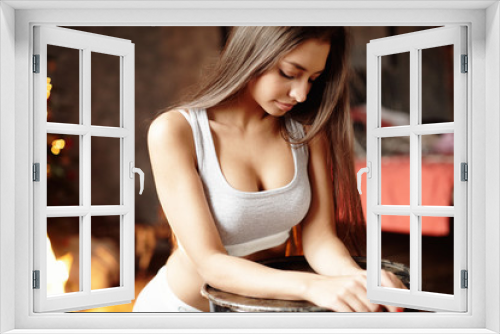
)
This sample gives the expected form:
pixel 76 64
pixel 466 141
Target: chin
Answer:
pixel 276 112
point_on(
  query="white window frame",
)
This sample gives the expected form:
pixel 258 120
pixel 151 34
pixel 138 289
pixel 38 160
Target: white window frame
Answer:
pixel 413 44
pixel 86 44
pixel 16 21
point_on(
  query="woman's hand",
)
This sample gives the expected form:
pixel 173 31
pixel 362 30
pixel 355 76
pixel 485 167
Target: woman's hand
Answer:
pixel 389 280
pixel 347 293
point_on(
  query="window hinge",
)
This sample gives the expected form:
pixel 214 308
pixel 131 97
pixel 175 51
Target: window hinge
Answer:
pixel 36 172
pixel 464 172
pixel 465 279
pixel 465 64
pixel 36 63
pixel 36 279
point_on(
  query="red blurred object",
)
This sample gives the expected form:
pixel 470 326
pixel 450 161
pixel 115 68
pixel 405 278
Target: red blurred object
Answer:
pixel 437 189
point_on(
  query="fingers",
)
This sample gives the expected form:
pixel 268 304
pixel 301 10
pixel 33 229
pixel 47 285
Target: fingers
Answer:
pixel 339 305
pixel 349 293
pixel 359 288
pixel 359 300
pixel 356 304
pixel 391 281
pixel 355 296
pixel 360 304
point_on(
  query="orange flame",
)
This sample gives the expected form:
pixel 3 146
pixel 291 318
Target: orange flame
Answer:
pixel 58 269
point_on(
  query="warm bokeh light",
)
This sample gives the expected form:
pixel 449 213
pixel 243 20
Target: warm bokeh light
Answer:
pixel 57 146
pixel 49 87
pixel 59 143
pixel 58 269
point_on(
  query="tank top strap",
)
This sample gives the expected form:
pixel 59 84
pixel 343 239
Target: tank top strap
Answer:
pixel 296 131
pixel 210 159
pixel 204 124
pixel 193 118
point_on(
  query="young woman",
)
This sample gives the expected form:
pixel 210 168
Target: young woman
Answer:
pixel 265 145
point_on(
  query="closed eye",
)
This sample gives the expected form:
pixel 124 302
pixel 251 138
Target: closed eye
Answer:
pixel 290 77
pixel 283 74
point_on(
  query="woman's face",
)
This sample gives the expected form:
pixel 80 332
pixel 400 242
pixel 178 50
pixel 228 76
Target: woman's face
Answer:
pixel 289 82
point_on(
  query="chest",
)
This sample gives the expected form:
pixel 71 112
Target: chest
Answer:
pixel 253 163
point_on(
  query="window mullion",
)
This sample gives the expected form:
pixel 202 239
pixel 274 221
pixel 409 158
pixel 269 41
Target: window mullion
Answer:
pixel 418 126
pixel 127 122
pixel 434 129
pixel 372 185
pixel 415 171
pixel 460 155
pixel 109 132
pixel 420 129
pixel 377 157
pixel 85 112
pixel 40 188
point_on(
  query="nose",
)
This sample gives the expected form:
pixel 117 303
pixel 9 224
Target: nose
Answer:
pixel 299 91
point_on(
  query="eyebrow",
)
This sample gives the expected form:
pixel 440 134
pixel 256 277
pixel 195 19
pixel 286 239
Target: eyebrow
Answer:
pixel 300 67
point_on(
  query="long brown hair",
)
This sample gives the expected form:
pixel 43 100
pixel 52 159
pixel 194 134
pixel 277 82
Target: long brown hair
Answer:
pixel 251 51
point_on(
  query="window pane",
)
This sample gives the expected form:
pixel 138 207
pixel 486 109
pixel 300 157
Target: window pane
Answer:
pixel 396 246
pixel 105 101
pixel 63 85
pixel 437 257
pixel 395 94
pixel 105 260
pixel 63 251
pixel 437 169
pixel 105 171
pixel 437 84
pixel 63 170
pixel 395 171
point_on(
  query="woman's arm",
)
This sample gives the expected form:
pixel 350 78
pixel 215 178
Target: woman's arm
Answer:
pixel 324 251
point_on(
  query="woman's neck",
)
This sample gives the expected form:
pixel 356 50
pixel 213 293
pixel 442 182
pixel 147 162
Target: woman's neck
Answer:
pixel 243 113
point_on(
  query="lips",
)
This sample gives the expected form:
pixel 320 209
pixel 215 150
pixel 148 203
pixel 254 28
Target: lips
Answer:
pixel 284 106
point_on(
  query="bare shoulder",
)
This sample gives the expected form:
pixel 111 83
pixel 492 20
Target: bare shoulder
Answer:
pixel 319 144
pixel 171 131
pixel 168 124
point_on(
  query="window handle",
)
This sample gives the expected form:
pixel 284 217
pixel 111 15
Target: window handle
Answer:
pixel 141 175
pixel 368 171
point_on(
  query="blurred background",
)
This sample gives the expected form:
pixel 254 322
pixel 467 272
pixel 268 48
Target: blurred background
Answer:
pixel 168 63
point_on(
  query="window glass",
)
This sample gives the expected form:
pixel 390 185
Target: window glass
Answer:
pixel 395 90
pixel 63 170
pixel 63 85
pixel 437 84
pixel 437 255
pixel 395 171
pixel 105 160
pixel 63 255
pixel 105 259
pixel 437 182
pixel 396 246
pixel 105 89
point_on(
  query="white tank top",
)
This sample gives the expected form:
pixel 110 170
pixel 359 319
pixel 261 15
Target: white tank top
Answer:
pixel 250 221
